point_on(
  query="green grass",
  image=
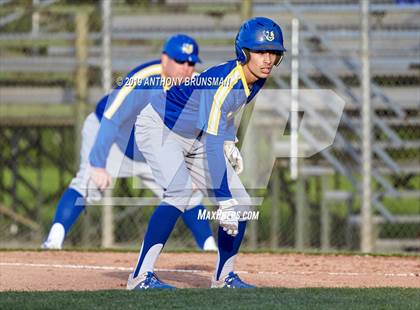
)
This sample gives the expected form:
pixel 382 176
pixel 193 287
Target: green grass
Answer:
pixel 36 110
pixel 282 251
pixel 263 298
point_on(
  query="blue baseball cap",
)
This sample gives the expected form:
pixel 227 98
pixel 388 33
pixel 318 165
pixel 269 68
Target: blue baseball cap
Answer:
pixel 182 48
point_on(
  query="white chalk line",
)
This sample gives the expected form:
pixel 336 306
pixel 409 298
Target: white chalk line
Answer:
pixel 118 268
pixel 93 267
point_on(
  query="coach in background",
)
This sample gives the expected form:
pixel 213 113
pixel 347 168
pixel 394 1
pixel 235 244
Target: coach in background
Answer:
pixel 108 148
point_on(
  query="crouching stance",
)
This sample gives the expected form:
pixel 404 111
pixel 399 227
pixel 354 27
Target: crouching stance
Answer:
pixel 187 137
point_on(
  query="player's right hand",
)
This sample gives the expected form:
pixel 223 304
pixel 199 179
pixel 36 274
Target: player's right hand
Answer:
pixel 100 177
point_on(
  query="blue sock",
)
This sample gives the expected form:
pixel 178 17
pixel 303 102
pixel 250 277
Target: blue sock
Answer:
pixel 69 208
pixel 200 228
pixel 228 248
pixel 160 227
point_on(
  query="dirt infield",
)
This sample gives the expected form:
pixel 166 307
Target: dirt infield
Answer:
pixel 43 271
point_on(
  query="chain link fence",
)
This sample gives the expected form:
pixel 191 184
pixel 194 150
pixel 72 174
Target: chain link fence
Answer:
pixel 41 116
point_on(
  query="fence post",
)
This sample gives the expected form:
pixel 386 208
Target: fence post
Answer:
pixel 366 212
pixel 325 217
pixel 107 210
pixel 35 23
pixel 295 162
pixel 275 208
pixel 39 196
pixel 253 225
pixel 246 9
pixel 294 104
pixel 81 78
pixel 301 214
pixel 81 82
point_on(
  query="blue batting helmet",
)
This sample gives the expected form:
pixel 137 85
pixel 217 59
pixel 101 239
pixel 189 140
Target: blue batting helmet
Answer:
pixel 182 48
pixel 259 34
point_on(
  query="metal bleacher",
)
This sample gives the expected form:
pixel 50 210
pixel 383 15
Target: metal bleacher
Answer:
pixel 329 55
pixel 393 28
pixel 401 22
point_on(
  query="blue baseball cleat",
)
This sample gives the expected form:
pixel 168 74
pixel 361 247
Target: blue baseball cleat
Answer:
pixel 149 280
pixel 232 280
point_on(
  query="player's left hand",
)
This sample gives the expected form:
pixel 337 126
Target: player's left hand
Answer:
pixel 228 217
pixel 234 156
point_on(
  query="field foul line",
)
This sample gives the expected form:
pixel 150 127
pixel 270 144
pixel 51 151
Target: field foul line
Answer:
pixel 303 273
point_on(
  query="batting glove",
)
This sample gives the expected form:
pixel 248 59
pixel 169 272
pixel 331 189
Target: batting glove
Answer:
pixel 234 156
pixel 228 217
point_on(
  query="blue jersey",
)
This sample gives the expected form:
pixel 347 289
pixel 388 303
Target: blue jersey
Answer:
pixel 118 111
pixel 208 102
pixel 207 105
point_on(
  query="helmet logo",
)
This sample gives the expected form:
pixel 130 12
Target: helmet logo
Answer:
pixel 269 35
pixel 187 48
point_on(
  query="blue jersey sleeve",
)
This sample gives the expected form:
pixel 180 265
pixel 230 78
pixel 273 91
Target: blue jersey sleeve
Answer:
pixel 113 119
pixel 216 119
pixel 230 133
pixel 216 127
pixel 217 167
pixel 107 133
pixel 121 110
pixel 119 113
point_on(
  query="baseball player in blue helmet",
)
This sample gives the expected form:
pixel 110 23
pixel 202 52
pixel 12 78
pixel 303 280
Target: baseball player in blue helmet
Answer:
pixel 108 148
pixel 188 137
pixel 257 35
